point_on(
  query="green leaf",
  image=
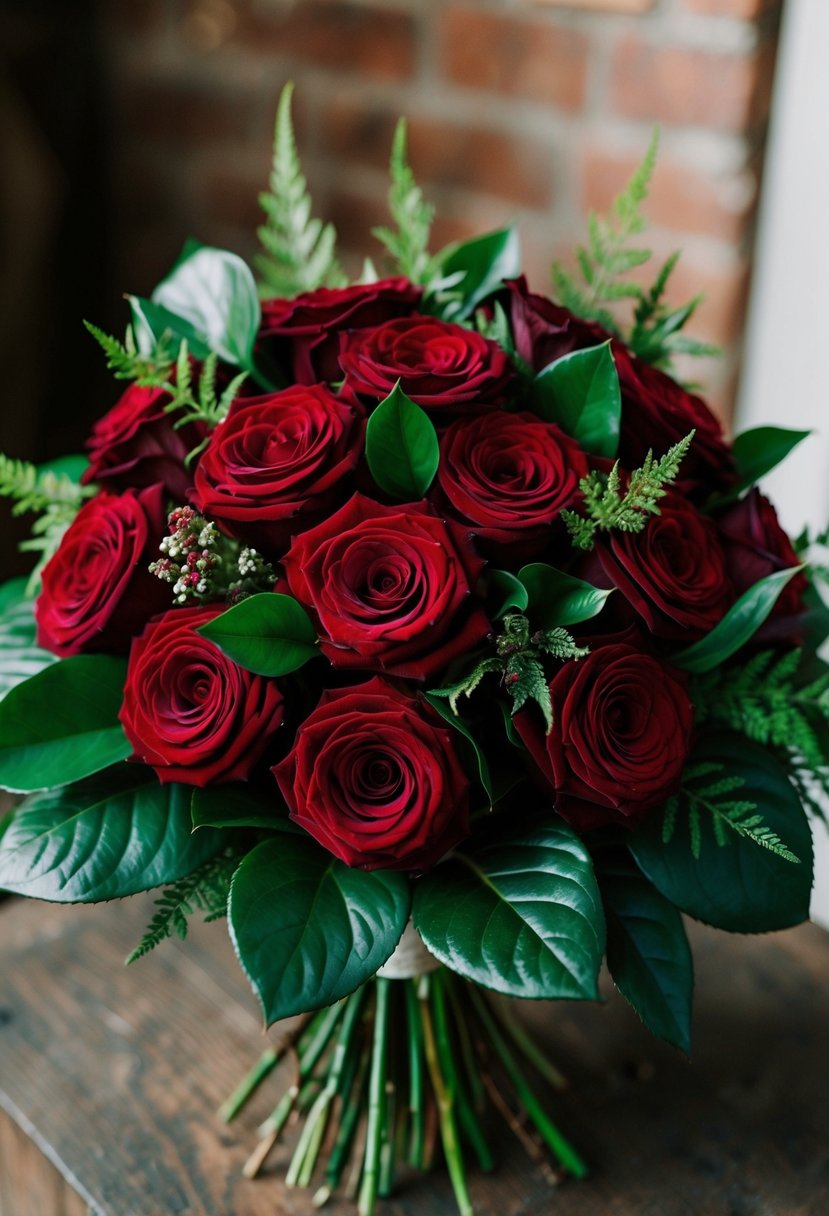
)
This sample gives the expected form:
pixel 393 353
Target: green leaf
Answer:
pixel 270 634
pixel 484 262
pixel 107 837
pixel 402 448
pixel 508 591
pixel 238 806
pixel 309 930
pixel 152 322
pixel 214 292
pixel 556 598
pixel 648 953
pixel 517 909
pixel 62 724
pixel 20 656
pixel 458 724
pixel 580 392
pixel 758 451
pixel 739 624
pixel 735 885
pixel 72 466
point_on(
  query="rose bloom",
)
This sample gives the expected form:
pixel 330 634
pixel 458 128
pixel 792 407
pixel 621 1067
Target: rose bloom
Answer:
pixel 621 734
pixel 446 369
pixel 136 444
pixel 278 463
pixel 189 711
pixel 509 476
pixel 303 334
pixel 96 590
pixel 674 572
pixel 389 587
pixel 374 777
pixel 756 546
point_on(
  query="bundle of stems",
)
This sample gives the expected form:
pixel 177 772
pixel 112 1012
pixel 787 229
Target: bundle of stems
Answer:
pixel 389 1073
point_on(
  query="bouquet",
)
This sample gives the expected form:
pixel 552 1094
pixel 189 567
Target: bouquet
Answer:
pixel 429 630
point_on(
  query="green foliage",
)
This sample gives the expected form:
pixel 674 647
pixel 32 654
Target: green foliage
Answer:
pixel 655 336
pixel 581 393
pixel 206 890
pixel 200 402
pixel 409 243
pixel 555 598
pixel 402 449
pixel 270 634
pixel 471 271
pixel 519 664
pixel 20 656
pixel 605 506
pixel 706 797
pixel 52 495
pixel 299 250
pixel 126 362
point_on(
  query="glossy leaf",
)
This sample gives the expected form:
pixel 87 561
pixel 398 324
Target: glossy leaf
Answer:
pixel 444 709
pixel 508 592
pixel 517 909
pixel 110 836
pixel 270 634
pixel 238 806
pixel 484 262
pixel 759 450
pixel 20 656
pixel 559 599
pixel 738 885
pixel 402 448
pixel 580 392
pixel 308 929
pixel 151 321
pixel 648 953
pixel 62 724
pixel 737 627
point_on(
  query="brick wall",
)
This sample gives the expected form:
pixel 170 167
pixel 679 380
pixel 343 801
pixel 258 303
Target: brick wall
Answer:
pixel 532 110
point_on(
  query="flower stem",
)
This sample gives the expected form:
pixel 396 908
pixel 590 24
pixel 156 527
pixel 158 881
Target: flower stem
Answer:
pixel 455 1085
pixel 415 1035
pixel 376 1091
pixel 445 1105
pixel 246 1088
pixel 527 1046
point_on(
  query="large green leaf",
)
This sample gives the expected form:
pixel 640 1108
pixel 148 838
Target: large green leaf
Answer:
pixel 484 262
pixel 107 837
pixel 20 656
pixel 62 724
pixel 737 627
pixel 457 723
pixel 238 806
pixel 151 321
pixel 214 292
pixel 309 930
pixel 517 909
pixel 648 952
pixel 759 450
pixel 580 392
pixel 506 593
pixel 737 885
pixel 402 449
pixel 270 634
pixel 559 599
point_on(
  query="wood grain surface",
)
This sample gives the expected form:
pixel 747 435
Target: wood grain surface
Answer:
pixel 114 1075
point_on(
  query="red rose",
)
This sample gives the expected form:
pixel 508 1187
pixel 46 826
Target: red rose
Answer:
pixel 621 735
pixel 135 445
pixel 303 333
pixel 389 586
pixel 278 463
pixel 509 476
pixel 674 572
pixel 445 368
pixel 544 331
pixel 189 711
pixel 756 546
pixel 96 590
pixel 374 777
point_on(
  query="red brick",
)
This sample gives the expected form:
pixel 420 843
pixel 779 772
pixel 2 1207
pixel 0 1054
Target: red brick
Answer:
pixel 726 91
pixel 369 40
pixel 681 198
pixel 747 9
pixel 474 158
pixel 184 115
pixel 538 59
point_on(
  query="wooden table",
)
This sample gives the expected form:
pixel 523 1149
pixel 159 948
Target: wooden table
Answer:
pixel 110 1077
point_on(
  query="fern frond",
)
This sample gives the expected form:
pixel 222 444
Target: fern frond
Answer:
pixel 299 250
pixel 126 363
pixel 408 244
pixel 205 890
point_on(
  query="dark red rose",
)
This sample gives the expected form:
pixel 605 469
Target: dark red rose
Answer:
pixel 389 587
pixel 189 711
pixel 509 476
pixel 96 590
pixel 303 333
pixel 135 445
pixel 277 464
pixel 544 331
pixel 756 546
pixel 374 777
pixel 621 734
pixel 446 369
pixel 674 572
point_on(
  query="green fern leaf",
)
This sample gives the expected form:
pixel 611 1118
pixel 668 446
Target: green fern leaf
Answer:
pixel 408 244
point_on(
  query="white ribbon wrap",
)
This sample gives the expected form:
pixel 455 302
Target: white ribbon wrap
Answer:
pixel 411 958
